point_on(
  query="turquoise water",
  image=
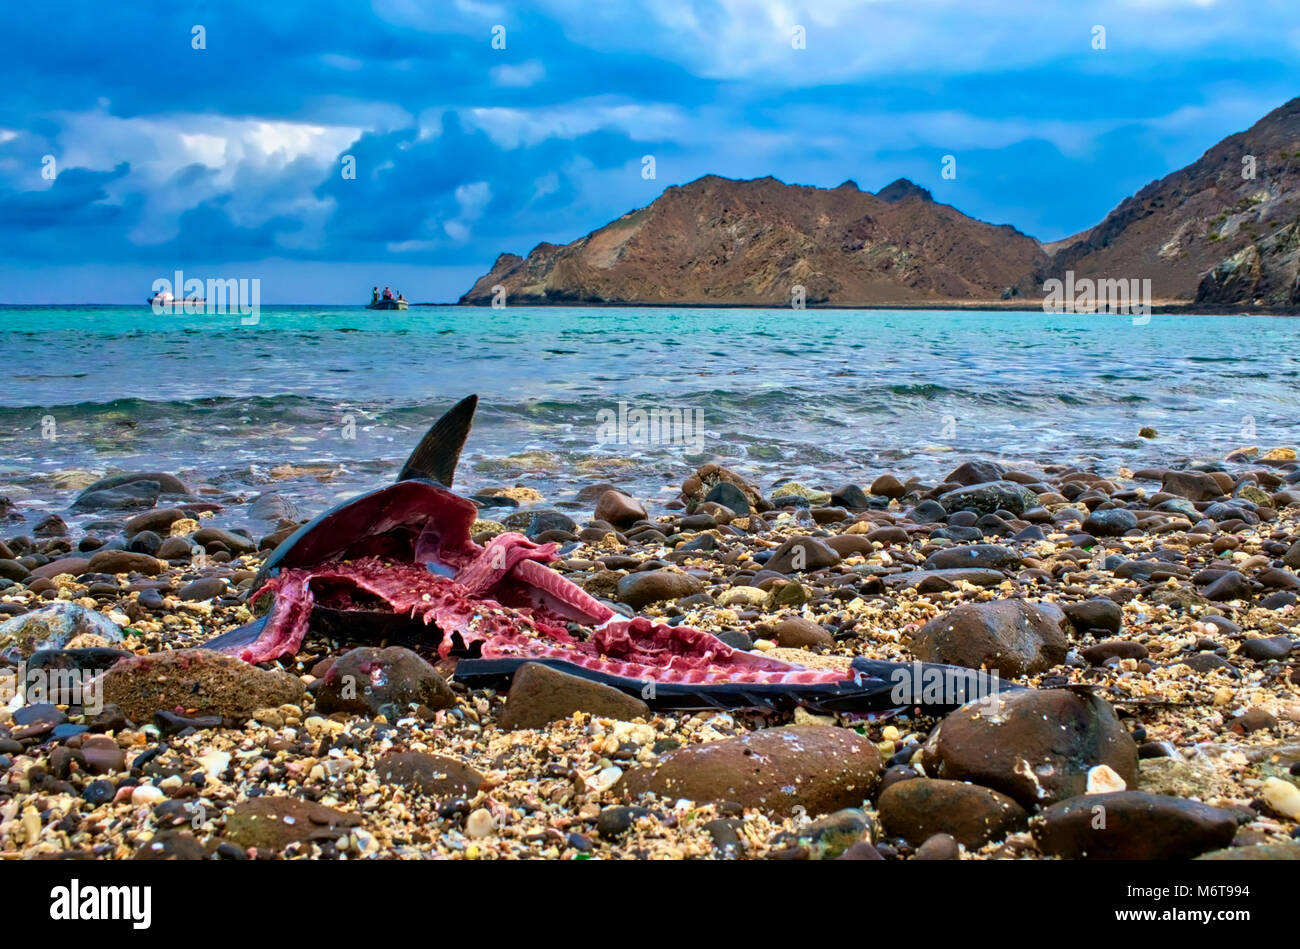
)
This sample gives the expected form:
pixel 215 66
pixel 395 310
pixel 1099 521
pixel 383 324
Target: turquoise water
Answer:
pixel 829 395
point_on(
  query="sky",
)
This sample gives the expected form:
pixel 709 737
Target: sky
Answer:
pixel 328 146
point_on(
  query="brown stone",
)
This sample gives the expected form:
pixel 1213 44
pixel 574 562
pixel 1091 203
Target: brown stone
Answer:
pixel 1035 746
pixel 819 768
pixel 795 632
pixel 1132 825
pixel 198 679
pixel 917 809
pixel 372 681
pixel 1193 485
pixel 273 823
pixel 124 561
pixel 434 775
pixel 1014 637
pixel 619 509
pixel 539 695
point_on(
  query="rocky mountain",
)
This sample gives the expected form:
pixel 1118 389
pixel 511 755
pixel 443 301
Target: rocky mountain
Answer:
pixel 1216 216
pixel 721 241
pixel 1225 230
pixel 1267 271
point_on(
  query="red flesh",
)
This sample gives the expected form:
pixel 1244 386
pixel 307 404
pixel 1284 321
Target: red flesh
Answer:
pixel 504 598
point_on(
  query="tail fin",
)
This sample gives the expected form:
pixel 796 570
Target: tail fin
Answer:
pixel 439 450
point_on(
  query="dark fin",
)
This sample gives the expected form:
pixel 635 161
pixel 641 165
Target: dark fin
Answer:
pixel 237 638
pixel 436 456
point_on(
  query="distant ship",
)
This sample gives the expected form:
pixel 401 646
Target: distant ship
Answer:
pixel 165 298
pixel 387 302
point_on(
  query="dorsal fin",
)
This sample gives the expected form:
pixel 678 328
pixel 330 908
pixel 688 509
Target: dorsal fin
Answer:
pixel 436 456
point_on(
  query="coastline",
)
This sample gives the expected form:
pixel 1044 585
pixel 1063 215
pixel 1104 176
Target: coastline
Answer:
pixel 1122 573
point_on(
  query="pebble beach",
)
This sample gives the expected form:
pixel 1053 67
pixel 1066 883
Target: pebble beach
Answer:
pixel 1150 612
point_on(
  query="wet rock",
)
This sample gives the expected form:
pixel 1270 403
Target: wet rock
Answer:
pixel 169 484
pixel 1275 579
pixel 74 566
pixel 1012 636
pixel 204 588
pixel 53 627
pixel 539 695
pixel 1230 586
pixel 159 521
pixel 434 775
pixel 927 512
pixel 235 542
pixel 698 485
pixel 916 810
pixel 372 681
pixel 1036 746
pixel 619 509
pixel 50 526
pixel 616 821
pixel 986 556
pixel 989 497
pixel 273 823
pixel 38 713
pixel 124 497
pixel 98 792
pixel 971 473
pixel 828 837
pixel 1208 662
pixel 819 768
pixel 852 497
pixel 274 508
pixel 799 554
pixel 1110 522
pixel 1114 649
pixel 102 755
pixel 938 847
pixel 937 581
pixel 124 561
pixel 539 523
pixel 862 850
pixel 175 548
pixel 171 845
pixel 1253 719
pixel 795 632
pixel 1193 485
pixel 730 497
pixel 145 542
pixel 198 679
pixel 846 545
pixel 726 835
pixel 1096 613
pixel 1132 825
pixel 12 570
pixel 1267 648
pixel 888 486
pixel 651 586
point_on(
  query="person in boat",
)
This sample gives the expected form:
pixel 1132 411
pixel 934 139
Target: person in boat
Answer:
pixel 400 297
pixel 374 294
pixel 388 293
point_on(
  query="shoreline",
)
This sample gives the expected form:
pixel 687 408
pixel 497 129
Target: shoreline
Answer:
pixel 946 306
pixel 1200 670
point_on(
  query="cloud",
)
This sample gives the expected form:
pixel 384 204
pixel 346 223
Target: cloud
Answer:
pixel 462 151
pixel 525 74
